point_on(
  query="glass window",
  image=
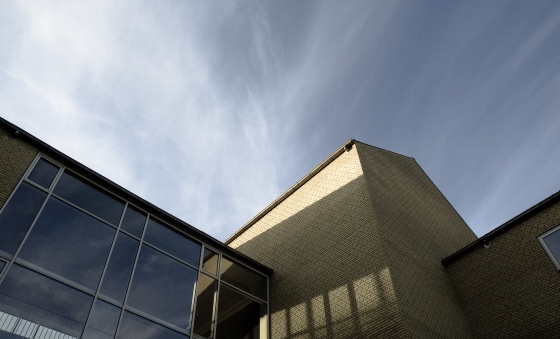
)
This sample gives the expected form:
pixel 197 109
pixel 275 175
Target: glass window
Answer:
pixel 18 216
pixel 243 278
pixel 135 327
pixel 2 265
pixel 89 198
pixel 103 321
pixel 133 222
pixel 551 240
pixel 120 266
pixel 210 261
pixel 69 243
pixel 205 306
pixel 162 287
pixel 239 317
pixel 43 173
pixel 172 242
pixel 37 299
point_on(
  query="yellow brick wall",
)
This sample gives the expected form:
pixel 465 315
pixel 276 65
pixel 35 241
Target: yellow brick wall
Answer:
pixel 331 279
pixel 418 228
pixel 511 289
pixel 15 157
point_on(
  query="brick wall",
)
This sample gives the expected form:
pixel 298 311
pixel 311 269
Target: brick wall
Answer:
pixel 15 157
pixel 418 227
pixel 357 250
pixel 511 289
pixel 331 278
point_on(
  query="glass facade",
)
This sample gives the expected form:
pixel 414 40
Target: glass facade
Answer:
pixel 79 262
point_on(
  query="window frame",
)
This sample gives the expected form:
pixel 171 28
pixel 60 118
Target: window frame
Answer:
pixel 546 249
pixel 96 293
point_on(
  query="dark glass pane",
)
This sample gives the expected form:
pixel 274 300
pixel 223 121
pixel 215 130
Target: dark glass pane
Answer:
pixel 120 266
pixel 210 261
pixel 2 265
pixel 135 327
pixel 552 241
pixel 172 242
pixel 133 222
pixel 103 321
pixel 36 299
pixel 69 243
pixel 239 317
pixel 162 287
pixel 205 306
pixel 243 278
pixel 43 173
pixel 18 216
pixel 89 198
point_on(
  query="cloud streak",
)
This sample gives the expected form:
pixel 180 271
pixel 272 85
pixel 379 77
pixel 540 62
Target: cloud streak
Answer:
pixel 211 110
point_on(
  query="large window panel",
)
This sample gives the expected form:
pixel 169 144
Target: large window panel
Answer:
pixel 43 173
pixel 172 242
pixel 243 278
pixel 162 287
pixel 69 243
pixel 133 222
pixel 17 217
pixel 205 306
pixel 103 321
pixel 44 303
pixel 239 317
pixel 135 327
pixel 120 267
pixel 89 198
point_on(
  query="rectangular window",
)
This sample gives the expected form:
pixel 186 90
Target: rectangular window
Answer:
pixel 551 243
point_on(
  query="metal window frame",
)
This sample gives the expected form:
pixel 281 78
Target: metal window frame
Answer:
pixel 96 294
pixel 541 237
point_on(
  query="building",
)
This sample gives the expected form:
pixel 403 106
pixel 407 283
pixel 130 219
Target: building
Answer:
pixel 364 246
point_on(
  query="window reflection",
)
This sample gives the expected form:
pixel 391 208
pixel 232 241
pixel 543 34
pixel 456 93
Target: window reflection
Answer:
pixel 18 215
pixel 210 261
pixel 552 241
pixel 135 327
pixel 162 287
pixel 89 198
pixel 172 242
pixel 103 321
pixel 243 278
pixel 239 317
pixel 133 222
pixel 120 267
pixel 69 243
pixel 205 306
pixel 43 173
pixel 41 300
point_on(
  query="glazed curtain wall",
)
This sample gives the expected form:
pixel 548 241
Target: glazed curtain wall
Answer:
pixel 78 262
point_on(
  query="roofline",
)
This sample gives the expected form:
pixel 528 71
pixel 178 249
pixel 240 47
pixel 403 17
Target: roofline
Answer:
pixel 41 145
pixel 298 184
pixel 502 228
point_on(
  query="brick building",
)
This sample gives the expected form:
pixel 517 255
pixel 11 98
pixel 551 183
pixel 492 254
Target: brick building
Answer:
pixel 364 246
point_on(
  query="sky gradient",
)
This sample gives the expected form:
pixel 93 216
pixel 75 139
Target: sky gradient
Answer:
pixel 211 110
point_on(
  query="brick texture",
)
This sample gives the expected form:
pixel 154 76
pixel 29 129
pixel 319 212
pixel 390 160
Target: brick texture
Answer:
pixel 15 157
pixel 341 270
pixel 418 228
pixel 510 289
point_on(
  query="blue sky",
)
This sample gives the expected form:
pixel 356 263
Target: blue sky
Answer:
pixel 211 110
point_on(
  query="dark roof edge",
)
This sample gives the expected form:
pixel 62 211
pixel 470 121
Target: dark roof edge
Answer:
pixel 500 229
pixel 42 145
pixel 298 184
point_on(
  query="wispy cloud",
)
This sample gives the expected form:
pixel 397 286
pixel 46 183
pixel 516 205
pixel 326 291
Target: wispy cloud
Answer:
pixel 210 110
